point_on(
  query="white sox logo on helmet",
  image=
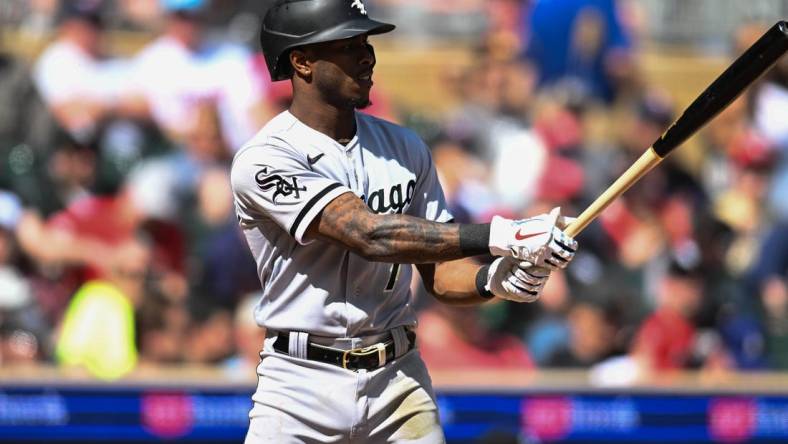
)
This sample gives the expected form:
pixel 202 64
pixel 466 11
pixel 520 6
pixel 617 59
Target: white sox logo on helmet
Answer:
pixel 359 5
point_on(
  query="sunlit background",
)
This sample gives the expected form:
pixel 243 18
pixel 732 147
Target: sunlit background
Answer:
pixel 126 288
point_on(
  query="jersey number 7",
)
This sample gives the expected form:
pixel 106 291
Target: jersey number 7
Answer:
pixel 395 268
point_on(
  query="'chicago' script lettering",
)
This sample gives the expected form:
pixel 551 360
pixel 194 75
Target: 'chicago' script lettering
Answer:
pixel 397 199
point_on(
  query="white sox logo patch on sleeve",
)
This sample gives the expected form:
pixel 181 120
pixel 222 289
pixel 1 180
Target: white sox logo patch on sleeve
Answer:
pixel 359 5
pixel 286 190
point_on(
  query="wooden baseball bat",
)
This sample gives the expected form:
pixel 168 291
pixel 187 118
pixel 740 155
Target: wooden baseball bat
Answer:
pixel 756 60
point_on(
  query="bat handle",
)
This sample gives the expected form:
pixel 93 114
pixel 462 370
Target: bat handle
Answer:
pixel 643 165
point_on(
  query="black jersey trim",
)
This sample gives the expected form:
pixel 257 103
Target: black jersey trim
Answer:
pixel 312 202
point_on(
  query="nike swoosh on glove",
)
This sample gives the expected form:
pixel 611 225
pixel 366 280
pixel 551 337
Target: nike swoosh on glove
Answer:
pixel 538 240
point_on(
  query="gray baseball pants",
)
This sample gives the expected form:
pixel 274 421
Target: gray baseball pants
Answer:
pixel 300 401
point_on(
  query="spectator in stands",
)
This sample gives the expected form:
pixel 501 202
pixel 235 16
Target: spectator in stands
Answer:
pixel 476 89
pixel 558 123
pixel 503 27
pixel 668 339
pixel 112 219
pixel 737 172
pixel 770 98
pixel 16 91
pixel 248 337
pixel 192 183
pixel 27 128
pixel 456 338
pixel 545 325
pixel 650 113
pixel 463 177
pixel 774 297
pixel 580 45
pixel 593 337
pixel 226 270
pixel 740 204
pixel 772 101
pixel 57 177
pixel 44 250
pixel 767 278
pixel 179 70
pixel 655 220
pixel 202 149
pixel 24 333
pixel 209 337
pixel 162 325
pixel 494 124
pixel 80 89
pixel 767 102
pixel 98 330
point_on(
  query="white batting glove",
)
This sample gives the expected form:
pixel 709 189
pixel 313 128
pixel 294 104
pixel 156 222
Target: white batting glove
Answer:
pixel 515 280
pixel 537 240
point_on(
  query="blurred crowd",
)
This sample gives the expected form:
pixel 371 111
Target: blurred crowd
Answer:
pixel 120 251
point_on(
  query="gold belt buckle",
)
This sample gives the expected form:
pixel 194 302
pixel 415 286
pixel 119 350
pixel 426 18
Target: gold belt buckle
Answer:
pixel 379 348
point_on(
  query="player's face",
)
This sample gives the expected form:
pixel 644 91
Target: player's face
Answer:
pixel 343 71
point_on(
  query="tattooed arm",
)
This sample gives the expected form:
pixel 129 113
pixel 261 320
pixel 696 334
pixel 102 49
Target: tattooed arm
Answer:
pixel 394 238
pixel 405 239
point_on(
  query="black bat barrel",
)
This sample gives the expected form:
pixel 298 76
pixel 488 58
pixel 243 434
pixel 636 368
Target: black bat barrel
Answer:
pixel 726 88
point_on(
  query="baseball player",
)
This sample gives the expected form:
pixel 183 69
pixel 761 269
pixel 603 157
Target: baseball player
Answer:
pixel 336 205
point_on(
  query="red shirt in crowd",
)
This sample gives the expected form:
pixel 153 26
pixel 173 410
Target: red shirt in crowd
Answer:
pixel 667 338
pixel 443 349
pixel 105 219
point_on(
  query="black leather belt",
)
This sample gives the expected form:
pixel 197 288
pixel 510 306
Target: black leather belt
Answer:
pixel 367 358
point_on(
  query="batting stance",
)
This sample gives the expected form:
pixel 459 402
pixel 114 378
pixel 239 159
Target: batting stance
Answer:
pixel 335 205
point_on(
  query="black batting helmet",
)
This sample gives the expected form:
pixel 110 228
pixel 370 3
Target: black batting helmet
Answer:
pixel 291 23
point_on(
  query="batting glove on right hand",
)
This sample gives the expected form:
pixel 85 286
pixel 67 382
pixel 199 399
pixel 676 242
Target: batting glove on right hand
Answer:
pixel 515 280
pixel 537 240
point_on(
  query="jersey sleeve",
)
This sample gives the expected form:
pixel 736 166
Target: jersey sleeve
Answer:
pixel 428 199
pixel 275 183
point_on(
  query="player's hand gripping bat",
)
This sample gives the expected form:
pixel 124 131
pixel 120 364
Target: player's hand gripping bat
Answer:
pixel 724 90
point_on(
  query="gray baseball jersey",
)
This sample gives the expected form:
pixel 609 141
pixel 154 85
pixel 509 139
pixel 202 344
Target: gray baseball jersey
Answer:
pixel 284 177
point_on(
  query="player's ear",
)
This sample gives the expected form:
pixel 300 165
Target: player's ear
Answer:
pixel 300 63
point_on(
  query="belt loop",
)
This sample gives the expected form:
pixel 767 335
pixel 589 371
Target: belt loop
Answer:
pixel 400 341
pixel 298 344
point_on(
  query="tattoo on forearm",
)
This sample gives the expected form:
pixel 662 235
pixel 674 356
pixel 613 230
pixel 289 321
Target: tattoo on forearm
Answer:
pixel 388 238
pixel 415 240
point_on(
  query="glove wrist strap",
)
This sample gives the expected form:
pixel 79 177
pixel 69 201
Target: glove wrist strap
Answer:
pixel 474 239
pixel 481 282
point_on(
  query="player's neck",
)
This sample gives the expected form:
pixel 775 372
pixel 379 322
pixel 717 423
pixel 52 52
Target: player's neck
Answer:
pixel 338 124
